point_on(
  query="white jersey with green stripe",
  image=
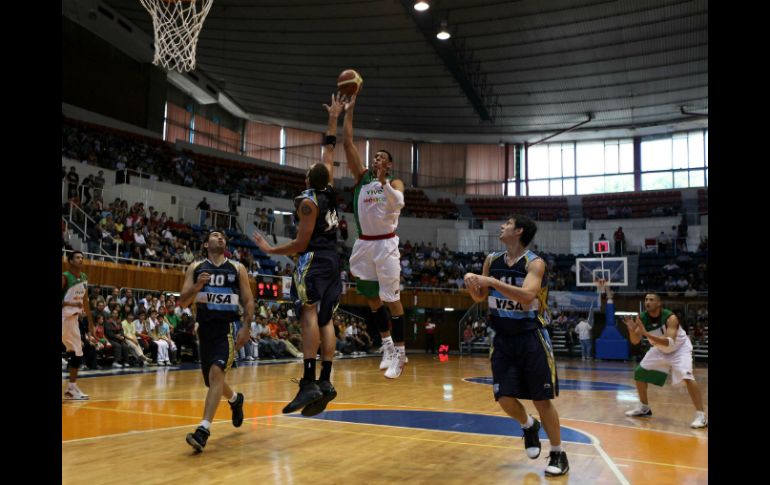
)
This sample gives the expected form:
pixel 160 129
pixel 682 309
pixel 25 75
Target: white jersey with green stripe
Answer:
pixel 74 292
pixel 370 207
pixel 657 327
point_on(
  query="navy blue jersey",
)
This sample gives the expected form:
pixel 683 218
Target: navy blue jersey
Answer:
pixel 509 317
pixel 325 231
pixel 218 300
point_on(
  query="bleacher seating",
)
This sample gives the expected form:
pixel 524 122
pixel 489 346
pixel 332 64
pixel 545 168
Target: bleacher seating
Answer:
pixel 703 201
pixel 642 204
pixel 418 204
pixel 540 208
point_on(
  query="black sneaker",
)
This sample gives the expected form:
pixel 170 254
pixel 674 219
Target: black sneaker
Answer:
pixel 532 440
pixel 557 464
pixel 329 393
pixel 237 409
pixel 308 393
pixel 198 439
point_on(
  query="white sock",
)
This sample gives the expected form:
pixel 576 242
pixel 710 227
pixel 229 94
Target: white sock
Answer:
pixel 401 349
pixel 232 399
pixel 644 406
pixel 529 423
pixel 205 424
pixel 72 385
pixel 557 448
pixel 387 342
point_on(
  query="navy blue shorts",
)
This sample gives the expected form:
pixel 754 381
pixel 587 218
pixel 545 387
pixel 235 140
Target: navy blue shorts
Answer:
pixel 316 280
pixel 217 346
pixel 523 366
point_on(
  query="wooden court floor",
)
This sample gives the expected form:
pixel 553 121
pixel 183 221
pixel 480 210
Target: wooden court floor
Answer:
pixel 429 426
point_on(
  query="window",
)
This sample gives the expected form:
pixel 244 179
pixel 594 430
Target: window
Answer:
pixel 676 161
pixel 656 155
pixel 538 187
pixel 697 157
pixel 590 185
pixel 590 158
pixel 657 181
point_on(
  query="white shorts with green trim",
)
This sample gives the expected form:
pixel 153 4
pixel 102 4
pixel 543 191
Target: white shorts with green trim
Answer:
pixel 70 334
pixel 378 261
pixel 678 365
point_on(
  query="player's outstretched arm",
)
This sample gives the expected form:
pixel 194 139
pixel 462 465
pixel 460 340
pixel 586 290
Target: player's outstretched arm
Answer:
pixel 334 109
pixel 308 213
pixel 352 156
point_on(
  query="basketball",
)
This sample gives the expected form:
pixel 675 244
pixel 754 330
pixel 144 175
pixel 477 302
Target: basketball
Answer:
pixel 349 82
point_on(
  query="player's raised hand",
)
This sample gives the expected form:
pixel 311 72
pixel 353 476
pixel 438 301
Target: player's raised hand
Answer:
pixel 337 105
pixel 350 103
pixel 261 242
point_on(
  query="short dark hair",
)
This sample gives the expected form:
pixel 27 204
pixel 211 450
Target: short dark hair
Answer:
pixel 529 226
pixel 318 176
pixel 71 255
pixel 390 157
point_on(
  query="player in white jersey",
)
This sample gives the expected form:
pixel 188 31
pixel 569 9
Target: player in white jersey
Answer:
pixel 74 287
pixel 671 353
pixel 377 203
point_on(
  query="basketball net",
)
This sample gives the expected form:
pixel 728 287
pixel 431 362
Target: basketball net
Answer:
pixel 177 24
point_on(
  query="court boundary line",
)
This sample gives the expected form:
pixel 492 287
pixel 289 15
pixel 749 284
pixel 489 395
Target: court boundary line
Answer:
pixel 597 444
pixel 417 408
pixel 594 440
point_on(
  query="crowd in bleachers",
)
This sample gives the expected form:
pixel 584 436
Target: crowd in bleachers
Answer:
pixel 140 233
pixel 135 328
pixel 682 274
pixel 120 151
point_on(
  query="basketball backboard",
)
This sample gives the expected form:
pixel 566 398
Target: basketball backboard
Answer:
pixel 613 270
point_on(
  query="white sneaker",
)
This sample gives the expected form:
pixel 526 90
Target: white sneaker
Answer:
pixel 115 364
pixel 700 420
pixel 126 365
pixel 75 394
pixel 387 358
pixel 168 362
pixel 640 412
pixel 396 366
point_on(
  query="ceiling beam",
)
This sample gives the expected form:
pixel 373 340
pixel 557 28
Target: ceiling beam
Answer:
pixel 459 61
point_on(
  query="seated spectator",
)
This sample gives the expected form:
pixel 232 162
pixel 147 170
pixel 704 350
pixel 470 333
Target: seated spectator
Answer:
pixel 129 331
pixel 283 335
pixel 141 330
pixel 113 330
pixel 468 336
pixel 164 332
pixel 185 336
pixel 294 332
pixel 152 330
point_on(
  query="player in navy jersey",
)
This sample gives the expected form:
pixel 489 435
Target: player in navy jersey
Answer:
pixel 217 286
pixel 316 283
pixel 515 286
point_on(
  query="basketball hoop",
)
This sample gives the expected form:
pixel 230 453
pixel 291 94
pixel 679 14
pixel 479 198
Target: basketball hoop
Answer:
pixel 601 285
pixel 177 24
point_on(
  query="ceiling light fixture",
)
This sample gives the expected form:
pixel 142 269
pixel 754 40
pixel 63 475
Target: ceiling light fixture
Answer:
pixel 443 34
pixel 421 5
